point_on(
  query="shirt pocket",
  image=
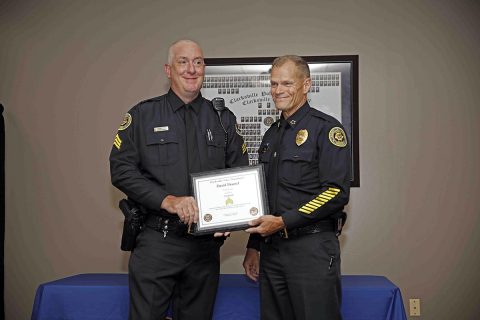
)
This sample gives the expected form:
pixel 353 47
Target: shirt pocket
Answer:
pixel 216 146
pixel 162 148
pixel 296 166
pixel 264 155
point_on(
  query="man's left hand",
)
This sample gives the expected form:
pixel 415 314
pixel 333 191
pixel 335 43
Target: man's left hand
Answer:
pixel 266 225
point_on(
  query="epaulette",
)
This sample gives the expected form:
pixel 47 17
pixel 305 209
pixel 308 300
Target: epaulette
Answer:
pixel 147 103
pixel 150 100
pixel 319 114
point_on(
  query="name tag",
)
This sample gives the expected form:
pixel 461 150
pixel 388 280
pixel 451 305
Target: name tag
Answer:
pixel 160 129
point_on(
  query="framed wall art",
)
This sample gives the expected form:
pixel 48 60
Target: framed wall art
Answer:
pixel 244 84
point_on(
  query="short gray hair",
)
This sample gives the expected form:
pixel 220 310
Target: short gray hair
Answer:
pixel 173 45
pixel 299 62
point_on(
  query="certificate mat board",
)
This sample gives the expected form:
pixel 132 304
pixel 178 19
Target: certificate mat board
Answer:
pixel 229 198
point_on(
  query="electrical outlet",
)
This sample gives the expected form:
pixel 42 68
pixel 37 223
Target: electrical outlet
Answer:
pixel 415 307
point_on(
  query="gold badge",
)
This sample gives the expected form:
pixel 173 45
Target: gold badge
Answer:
pixel 127 120
pixel 229 201
pixel 337 137
pixel 301 137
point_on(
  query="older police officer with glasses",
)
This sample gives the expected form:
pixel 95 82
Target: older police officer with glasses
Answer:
pixel 160 142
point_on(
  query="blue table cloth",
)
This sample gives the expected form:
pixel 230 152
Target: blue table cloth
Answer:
pixel 105 296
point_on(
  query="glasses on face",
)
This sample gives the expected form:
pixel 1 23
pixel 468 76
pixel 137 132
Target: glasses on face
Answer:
pixel 183 63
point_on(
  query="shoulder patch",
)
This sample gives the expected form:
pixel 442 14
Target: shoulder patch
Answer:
pixel 337 137
pixel 239 131
pixel 127 120
pixel 268 121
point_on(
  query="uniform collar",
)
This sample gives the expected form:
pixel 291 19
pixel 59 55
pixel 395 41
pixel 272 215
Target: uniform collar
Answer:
pixel 295 118
pixel 177 103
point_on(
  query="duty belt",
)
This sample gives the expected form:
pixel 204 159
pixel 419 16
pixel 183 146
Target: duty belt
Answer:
pixel 171 224
pixel 166 225
pixel 321 226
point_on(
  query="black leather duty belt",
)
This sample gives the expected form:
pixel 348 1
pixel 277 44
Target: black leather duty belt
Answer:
pixel 166 225
pixel 172 224
pixel 321 226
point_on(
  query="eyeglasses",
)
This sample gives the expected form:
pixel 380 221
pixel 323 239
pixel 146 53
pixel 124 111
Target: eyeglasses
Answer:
pixel 183 63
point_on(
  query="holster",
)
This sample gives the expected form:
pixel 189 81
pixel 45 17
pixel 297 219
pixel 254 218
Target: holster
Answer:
pixel 340 219
pixel 132 225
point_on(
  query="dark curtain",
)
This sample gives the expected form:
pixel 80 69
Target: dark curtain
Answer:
pixel 2 208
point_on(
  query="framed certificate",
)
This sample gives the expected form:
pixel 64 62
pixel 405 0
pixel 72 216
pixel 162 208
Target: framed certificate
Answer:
pixel 228 199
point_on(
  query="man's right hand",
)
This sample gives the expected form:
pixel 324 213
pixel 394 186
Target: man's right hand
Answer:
pixel 185 207
pixel 251 264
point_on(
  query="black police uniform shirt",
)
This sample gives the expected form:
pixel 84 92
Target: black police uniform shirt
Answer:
pixel 148 160
pixel 308 172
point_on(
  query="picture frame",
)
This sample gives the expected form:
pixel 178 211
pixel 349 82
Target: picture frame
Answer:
pixel 229 198
pixel 244 84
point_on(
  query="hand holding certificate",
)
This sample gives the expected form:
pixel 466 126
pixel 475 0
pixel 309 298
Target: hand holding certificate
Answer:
pixel 228 199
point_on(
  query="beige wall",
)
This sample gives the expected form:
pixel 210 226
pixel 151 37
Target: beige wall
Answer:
pixel 70 69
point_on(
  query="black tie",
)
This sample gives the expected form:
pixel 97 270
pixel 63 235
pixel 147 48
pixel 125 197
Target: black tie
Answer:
pixel 192 145
pixel 273 170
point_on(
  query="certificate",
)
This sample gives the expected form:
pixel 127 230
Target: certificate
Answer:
pixel 228 199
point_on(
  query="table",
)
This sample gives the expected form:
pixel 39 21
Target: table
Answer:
pixel 105 296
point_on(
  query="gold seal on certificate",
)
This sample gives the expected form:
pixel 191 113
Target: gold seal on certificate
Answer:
pixel 228 199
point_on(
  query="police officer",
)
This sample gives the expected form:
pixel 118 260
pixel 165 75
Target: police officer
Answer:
pixel 307 160
pixel 160 142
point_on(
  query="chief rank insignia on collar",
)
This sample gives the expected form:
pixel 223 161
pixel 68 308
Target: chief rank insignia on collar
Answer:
pixel 301 137
pixel 337 137
pixel 127 120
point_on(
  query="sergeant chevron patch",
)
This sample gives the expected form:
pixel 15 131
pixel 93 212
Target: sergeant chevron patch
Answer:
pixel 117 142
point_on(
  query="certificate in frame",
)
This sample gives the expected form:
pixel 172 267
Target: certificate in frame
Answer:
pixel 228 199
pixel 244 83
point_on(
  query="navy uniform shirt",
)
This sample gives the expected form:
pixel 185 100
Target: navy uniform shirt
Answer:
pixel 148 160
pixel 307 164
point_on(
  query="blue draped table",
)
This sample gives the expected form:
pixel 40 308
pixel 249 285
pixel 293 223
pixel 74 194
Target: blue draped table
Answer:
pixel 105 296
